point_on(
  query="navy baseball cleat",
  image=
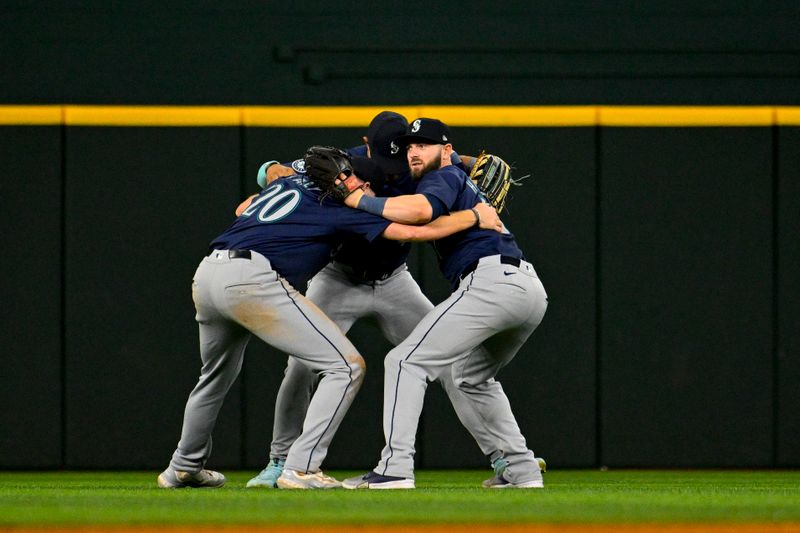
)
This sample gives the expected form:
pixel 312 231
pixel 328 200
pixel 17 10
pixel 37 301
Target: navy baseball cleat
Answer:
pixel 268 478
pixel 371 480
pixel 173 479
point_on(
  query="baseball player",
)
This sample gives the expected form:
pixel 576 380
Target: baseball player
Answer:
pixel 364 279
pixel 497 303
pixel 246 286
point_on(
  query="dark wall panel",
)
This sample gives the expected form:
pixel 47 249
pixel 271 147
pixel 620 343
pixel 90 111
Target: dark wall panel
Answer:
pixel 551 52
pixel 788 364
pixel 686 297
pixel 142 204
pixel 30 316
pixel 688 373
pixel 551 381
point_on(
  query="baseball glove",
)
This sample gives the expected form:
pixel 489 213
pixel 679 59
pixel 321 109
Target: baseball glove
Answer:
pixel 324 165
pixel 492 175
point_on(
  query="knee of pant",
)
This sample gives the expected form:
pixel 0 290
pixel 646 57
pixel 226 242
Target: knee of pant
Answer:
pixel 392 358
pixel 358 366
pixel 474 383
pixel 400 364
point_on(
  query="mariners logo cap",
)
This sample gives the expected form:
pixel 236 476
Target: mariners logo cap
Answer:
pixel 426 131
pixel 381 134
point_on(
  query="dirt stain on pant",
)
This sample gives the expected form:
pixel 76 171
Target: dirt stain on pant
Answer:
pixel 258 318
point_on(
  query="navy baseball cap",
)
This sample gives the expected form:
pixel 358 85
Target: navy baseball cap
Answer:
pixel 369 170
pixel 427 131
pixel 382 131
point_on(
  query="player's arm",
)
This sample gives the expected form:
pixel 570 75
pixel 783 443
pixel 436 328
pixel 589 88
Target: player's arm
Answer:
pixel 482 215
pixel 244 205
pixel 405 209
pixel 467 161
pixel 272 170
pixel 278 171
pixel 269 172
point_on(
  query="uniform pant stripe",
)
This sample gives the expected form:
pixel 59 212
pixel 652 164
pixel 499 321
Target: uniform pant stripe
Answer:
pixel 400 371
pixel 349 373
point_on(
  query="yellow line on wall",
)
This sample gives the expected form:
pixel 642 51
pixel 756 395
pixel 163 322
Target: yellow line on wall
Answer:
pixel 31 115
pixel 152 116
pixel 686 116
pixel 359 116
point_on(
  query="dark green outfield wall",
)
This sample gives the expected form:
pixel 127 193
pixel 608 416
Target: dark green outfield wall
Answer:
pixel 669 254
pixel 335 52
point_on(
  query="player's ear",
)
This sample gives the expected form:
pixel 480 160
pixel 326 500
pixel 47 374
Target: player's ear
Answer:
pixel 447 151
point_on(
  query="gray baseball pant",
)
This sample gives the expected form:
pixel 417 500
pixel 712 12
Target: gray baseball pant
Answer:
pixel 236 298
pixel 468 337
pixel 398 304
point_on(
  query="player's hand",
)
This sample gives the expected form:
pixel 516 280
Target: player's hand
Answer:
pixel 352 199
pixel 244 205
pixel 489 217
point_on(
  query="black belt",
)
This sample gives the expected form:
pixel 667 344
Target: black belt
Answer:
pixel 236 254
pixel 504 259
pixel 366 275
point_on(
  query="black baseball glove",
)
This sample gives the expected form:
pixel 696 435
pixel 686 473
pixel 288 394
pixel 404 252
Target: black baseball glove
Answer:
pixel 492 175
pixel 325 165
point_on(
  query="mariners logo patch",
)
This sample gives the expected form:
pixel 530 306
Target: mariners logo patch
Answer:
pixel 299 165
pixel 393 148
pixel 415 126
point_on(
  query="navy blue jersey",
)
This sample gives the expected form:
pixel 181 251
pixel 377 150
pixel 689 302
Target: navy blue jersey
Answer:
pixel 288 225
pixel 381 256
pixel 450 190
pixel 357 151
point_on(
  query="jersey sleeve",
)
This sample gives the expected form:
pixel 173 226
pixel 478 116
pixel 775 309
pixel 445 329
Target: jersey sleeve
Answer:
pixel 438 208
pixel 456 160
pixel 357 222
pixel 441 189
pixel 357 151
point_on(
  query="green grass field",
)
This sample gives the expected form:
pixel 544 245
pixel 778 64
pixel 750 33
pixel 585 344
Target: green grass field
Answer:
pixel 580 496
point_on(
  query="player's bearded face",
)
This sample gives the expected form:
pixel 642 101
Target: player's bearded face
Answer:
pixel 424 158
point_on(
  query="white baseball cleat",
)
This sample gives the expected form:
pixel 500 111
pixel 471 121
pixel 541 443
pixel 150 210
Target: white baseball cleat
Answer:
pixel 499 482
pixel 371 480
pixel 176 479
pixel 294 479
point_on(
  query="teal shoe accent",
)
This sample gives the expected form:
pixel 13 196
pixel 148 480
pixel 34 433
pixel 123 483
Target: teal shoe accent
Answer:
pixel 499 466
pixel 268 478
